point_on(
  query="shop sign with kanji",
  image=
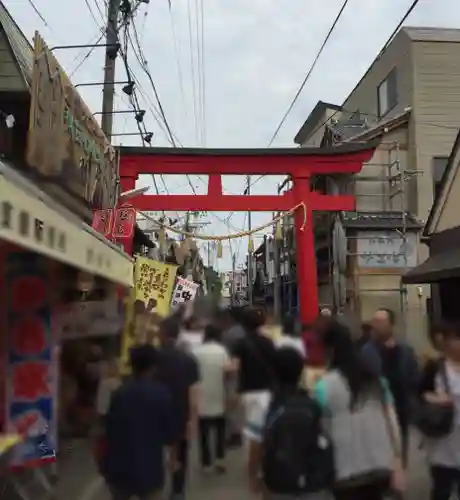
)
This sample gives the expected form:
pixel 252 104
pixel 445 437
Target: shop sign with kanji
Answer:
pixel 184 292
pixel 116 223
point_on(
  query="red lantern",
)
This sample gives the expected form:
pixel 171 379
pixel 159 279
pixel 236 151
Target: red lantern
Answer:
pixel 125 220
pixel 103 221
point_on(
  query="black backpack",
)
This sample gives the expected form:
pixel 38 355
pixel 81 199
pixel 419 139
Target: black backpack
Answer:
pixel 298 456
pixel 432 420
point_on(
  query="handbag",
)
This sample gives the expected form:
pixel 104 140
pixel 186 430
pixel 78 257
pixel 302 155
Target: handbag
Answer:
pixel 434 420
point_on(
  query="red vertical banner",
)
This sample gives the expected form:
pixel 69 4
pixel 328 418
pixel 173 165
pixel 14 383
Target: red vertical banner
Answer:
pixel 103 222
pixel 123 227
pixel 124 222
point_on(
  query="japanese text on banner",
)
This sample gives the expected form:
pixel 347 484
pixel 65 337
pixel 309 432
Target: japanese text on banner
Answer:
pixel 32 359
pixel 150 301
pixel 184 292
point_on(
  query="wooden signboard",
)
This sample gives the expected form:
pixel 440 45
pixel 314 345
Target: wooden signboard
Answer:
pixel 64 139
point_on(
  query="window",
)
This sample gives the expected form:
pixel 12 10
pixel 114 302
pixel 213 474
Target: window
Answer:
pixel 387 94
pixel 437 171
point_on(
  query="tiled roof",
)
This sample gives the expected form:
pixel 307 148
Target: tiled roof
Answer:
pixel 380 220
pixel 20 45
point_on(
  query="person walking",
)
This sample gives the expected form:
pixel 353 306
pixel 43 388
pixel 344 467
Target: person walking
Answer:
pixel 191 334
pixel 361 421
pixel 179 371
pixel 290 336
pixel 214 365
pixel 290 457
pixel 228 321
pixel 396 362
pixel 254 357
pixel 365 336
pixel 311 335
pixel 138 430
pixel 440 387
pixel 108 383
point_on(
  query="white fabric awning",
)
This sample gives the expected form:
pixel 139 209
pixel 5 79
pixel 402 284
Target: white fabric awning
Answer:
pixel 31 219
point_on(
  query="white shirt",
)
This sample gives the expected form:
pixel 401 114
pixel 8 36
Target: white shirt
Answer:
pixel 295 343
pixel 189 340
pixel 212 360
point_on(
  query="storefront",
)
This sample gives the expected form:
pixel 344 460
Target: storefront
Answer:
pixel 44 252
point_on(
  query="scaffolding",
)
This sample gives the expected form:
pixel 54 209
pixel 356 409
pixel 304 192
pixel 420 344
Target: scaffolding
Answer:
pixel 367 266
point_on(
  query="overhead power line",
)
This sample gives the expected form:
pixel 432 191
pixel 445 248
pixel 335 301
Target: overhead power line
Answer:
pixel 310 71
pixel 178 60
pixel 39 14
pixel 139 53
pixel 382 50
pixel 387 43
pixel 88 5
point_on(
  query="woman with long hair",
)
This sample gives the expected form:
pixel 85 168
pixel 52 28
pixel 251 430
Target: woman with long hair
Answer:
pixel 360 419
pixel 440 385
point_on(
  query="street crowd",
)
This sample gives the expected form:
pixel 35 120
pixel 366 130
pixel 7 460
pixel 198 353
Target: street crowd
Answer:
pixel 235 379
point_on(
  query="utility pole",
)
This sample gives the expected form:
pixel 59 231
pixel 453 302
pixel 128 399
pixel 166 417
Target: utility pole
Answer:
pixel 278 246
pixel 250 273
pixel 276 282
pixel 232 284
pixel 108 91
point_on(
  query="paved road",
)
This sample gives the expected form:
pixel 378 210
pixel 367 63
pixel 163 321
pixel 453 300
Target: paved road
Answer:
pixel 79 480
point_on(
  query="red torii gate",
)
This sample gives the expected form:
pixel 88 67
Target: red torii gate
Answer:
pixel 299 163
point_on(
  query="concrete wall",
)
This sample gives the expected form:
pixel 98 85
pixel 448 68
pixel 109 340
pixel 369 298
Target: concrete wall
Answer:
pixel 377 289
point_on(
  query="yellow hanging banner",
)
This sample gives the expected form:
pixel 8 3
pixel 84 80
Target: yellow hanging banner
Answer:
pixel 149 302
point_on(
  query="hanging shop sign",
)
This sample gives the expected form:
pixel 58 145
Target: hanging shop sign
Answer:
pixel 117 223
pixel 64 139
pixel 184 292
pixel 148 303
pixel 88 319
pixel 32 363
pixel 32 220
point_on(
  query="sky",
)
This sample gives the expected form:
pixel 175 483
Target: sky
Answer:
pixel 227 70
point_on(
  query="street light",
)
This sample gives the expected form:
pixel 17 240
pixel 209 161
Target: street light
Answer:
pixel 140 116
pixel 128 89
pixel 148 137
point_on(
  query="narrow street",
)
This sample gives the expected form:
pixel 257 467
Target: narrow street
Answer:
pixel 79 480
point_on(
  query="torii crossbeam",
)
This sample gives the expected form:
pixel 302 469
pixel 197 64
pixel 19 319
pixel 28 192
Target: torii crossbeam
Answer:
pixel 299 163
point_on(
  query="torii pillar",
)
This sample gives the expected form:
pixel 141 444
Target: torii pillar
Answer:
pixel 301 164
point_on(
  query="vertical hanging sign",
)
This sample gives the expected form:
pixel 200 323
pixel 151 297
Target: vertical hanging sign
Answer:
pixel 116 225
pixel 124 222
pixel 31 359
pixel 103 222
pixel 184 292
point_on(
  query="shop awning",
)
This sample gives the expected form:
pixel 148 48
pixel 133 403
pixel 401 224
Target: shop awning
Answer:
pixel 31 219
pixel 438 267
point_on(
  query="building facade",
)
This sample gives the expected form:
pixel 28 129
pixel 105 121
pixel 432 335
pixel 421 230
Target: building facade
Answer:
pixel 410 99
